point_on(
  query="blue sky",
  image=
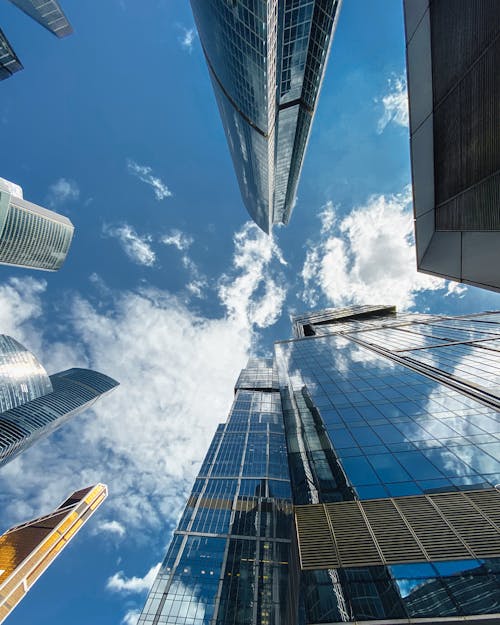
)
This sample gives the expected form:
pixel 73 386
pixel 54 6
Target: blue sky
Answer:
pixel 168 287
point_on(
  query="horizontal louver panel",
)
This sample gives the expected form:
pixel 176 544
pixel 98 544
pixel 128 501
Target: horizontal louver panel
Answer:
pixel 445 526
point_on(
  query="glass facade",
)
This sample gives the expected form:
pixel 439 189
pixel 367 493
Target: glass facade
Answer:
pixel 9 63
pixel 387 422
pixel 27 550
pixel 32 236
pixel 22 377
pixel 48 13
pixel 229 557
pixel 73 391
pixel 266 60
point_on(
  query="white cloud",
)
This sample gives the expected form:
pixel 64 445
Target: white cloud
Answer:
pixel 187 39
pixel 131 617
pixel 176 370
pixel 131 585
pixel 178 239
pixel 112 527
pixel 254 252
pixel 138 248
pixel 145 174
pixel 367 256
pixel 62 191
pixel 395 103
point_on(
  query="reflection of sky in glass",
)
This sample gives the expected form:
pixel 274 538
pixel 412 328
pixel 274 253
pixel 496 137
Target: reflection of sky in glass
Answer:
pixel 396 431
pixel 22 377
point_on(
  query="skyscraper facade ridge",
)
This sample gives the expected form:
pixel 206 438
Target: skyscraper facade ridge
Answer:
pixel 389 455
pixel 266 60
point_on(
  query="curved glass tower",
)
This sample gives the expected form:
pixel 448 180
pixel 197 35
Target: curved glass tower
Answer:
pixel 31 236
pixel 267 60
pixel 34 404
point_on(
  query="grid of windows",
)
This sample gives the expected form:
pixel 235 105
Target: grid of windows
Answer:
pixel 9 63
pixel 240 506
pixel 267 60
pixel 33 237
pixel 372 411
pixel 73 391
pixel 22 377
pixel 48 13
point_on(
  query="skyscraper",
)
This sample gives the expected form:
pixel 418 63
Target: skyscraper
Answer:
pixel 452 52
pixel 31 236
pixel 49 14
pixel 34 404
pixel 9 63
pixel 267 60
pixel 27 550
pixel 392 436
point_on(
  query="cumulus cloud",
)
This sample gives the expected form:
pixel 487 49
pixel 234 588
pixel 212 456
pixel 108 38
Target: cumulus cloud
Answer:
pixel 187 38
pixel 62 191
pixel 176 370
pixel 138 248
pixel 178 239
pixel 367 256
pixel 132 585
pixel 145 174
pixel 395 103
pixel 254 252
pixel 112 527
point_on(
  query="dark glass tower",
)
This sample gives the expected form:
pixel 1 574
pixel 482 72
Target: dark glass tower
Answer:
pixel 267 60
pixel 392 436
pixel 453 54
pixel 34 404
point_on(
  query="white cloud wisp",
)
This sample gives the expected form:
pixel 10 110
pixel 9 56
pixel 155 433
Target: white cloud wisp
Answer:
pixel 62 191
pixel 395 103
pixel 137 248
pixel 145 174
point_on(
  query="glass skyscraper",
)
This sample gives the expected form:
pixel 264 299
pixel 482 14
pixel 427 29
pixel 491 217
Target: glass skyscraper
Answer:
pixel 34 404
pixel 355 480
pixel 27 550
pixel 267 60
pixel 49 14
pixel 31 236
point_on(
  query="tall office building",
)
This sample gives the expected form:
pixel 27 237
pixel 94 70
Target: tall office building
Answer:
pixel 34 404
pixel 27 550
pixel 49 14
pixel 267 59
pixel 453 52
pixel 31 236
pixel 392 434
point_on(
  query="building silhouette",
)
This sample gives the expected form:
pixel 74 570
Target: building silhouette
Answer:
pixel 452 51
pixel 34 404
pixel 49 14
pixel 27 550
pixel 31 236
pixel 354 481
pixel 266 60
